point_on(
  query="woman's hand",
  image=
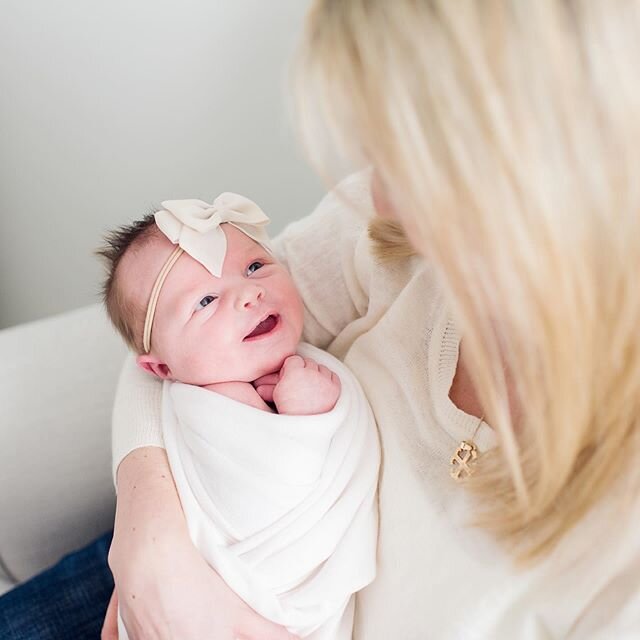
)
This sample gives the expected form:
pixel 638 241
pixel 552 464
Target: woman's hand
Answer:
pixel 165 588
pixel 110 624
pixel 191 602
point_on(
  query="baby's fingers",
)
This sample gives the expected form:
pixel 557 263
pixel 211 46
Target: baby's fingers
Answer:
pixel 265 391
pixel 327 373
pixel 291 363
pixel 310 364
pixel 270 378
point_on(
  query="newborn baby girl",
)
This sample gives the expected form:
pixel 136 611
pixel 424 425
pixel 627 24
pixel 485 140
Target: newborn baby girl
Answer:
pixel 271 442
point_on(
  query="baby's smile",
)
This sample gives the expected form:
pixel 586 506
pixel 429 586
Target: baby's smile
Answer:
pixel 264 328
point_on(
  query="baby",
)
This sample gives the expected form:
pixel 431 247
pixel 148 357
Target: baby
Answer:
pixel 271 442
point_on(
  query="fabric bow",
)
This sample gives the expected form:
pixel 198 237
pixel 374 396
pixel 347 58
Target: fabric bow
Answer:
pixel 194 225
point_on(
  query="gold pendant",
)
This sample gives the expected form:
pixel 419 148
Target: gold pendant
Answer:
pixel 463 461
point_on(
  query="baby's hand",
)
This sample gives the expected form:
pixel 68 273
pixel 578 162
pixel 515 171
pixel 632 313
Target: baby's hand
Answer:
pixel 303 387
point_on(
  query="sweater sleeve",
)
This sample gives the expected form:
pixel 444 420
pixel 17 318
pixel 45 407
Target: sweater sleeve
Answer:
pixel 320 251
pixel 136 413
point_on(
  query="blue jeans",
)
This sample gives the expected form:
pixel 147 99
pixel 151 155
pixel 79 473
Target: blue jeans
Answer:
pixel 67 601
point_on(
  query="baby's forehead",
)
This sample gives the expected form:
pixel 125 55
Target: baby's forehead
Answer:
pixel 240 247
pixel 152 249
pixel 143 260
pixel 237 239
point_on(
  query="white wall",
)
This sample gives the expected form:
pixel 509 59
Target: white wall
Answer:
pixel 109 107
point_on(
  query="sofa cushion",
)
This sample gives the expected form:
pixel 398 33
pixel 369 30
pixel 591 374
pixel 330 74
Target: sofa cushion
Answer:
pixel 57 381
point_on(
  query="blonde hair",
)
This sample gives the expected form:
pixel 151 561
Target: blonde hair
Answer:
pixel 389 241
pixel 510 131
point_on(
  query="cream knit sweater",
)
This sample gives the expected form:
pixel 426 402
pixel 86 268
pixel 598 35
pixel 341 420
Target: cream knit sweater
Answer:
pixel 438 578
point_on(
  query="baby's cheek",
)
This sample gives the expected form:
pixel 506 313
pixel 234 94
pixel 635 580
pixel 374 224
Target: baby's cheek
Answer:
pixel 197 365
pixel 213 366
pixel 297 311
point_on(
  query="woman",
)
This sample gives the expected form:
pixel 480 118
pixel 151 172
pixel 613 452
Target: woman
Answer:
pixel 504 139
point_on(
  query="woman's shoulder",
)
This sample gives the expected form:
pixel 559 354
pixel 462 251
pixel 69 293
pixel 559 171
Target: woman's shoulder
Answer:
pixel 342 215
pixel 351 196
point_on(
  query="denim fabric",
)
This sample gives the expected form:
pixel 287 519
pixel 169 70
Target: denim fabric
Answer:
pixel 67 601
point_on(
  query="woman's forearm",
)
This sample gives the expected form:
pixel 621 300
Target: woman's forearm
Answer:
pixel 148 513
pixel 146 492
pixel 165 588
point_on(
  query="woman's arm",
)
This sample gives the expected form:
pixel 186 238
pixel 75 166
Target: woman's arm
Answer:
pixel 165 588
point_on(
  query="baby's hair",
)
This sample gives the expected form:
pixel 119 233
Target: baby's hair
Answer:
pixel 125 315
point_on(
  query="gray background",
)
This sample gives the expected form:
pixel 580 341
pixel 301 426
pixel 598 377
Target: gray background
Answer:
pixel 107 108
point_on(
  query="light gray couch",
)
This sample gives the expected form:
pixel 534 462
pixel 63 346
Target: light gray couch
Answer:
pixel 57 382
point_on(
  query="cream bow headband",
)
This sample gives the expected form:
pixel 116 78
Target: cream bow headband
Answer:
pixel 194 226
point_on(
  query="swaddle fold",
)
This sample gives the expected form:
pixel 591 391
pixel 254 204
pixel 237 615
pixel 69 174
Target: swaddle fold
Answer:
pixel 283 507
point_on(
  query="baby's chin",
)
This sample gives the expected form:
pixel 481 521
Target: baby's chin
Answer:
pixel 272 365
pixel 200 372
pixel 202 376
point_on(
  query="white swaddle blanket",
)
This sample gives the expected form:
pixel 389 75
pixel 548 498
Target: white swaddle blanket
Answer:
pixel 283 507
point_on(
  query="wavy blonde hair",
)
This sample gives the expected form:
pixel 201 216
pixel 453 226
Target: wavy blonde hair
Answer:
pixel 507 133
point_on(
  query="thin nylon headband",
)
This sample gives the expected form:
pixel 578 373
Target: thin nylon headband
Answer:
pixel 155 294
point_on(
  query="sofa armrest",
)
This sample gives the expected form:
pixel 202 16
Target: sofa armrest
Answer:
pixel 57 382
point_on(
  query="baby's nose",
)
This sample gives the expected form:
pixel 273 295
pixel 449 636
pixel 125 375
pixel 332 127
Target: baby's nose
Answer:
pixel 249 297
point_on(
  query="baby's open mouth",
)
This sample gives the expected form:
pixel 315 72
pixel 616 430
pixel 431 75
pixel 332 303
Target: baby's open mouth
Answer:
pixel 264 327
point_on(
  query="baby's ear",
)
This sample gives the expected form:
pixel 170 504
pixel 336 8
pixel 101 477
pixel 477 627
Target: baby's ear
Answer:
pixel 151 364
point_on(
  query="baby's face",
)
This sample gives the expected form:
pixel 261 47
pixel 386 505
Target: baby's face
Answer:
pixel 233 328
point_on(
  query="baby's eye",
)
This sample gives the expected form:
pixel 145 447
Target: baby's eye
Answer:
pixel 254 266
pixel 207 300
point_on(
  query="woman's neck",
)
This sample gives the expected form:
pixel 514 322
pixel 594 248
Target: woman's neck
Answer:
pixel 462 392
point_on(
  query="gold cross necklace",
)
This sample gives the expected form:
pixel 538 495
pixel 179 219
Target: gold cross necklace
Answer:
pixel 463 461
